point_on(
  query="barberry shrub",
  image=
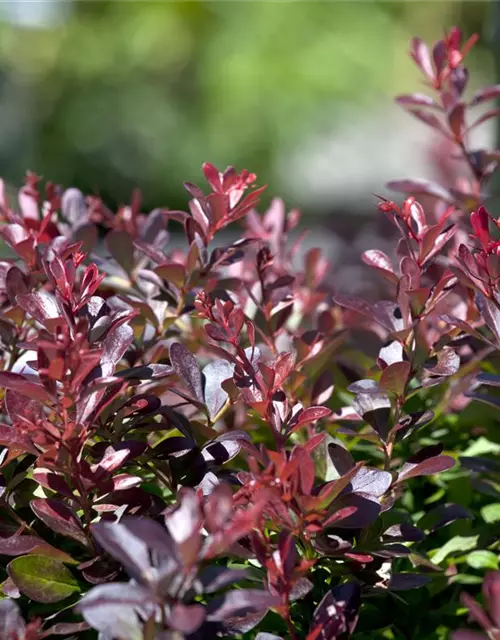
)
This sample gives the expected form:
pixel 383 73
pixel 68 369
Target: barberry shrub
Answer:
pixel 194 446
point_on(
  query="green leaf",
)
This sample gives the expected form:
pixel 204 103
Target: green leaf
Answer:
pixel 458 544
pixel 491 512
pixel 42 579
pixel 481 447
pixel 482 560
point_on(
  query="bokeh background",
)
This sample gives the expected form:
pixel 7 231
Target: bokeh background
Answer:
pixel 108 96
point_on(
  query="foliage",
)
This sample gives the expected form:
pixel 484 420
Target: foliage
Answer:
pixel 194 447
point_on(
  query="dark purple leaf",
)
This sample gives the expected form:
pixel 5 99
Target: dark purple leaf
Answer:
pixel 322 388
pixel 443 515
pixel 405 533
pixel 371 481
pixel 407 581
pixel 214 578
pixel 374 409
pixel 53 481
pixel 117 341
pixel 447 363
pixel 146 372
pixel 59 517
pixel 489 379
pixel 338 611
pixel 367 509
pixel 130 541
pixel 187 369
pixel 480 464
pixel 341 458
pixel 300 589
pixel 240 603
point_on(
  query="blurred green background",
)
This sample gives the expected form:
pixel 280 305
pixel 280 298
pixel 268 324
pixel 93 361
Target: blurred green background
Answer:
pixel 109 95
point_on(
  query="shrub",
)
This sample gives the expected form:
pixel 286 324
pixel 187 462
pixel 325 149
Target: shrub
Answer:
pixel 196 448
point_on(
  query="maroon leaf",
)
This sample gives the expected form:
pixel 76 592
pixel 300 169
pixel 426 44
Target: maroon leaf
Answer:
pixel 121 247
pixel 426 468
pixel 41 306
pixel 322 388
pixel 395 377
pixel 53 481
pixel 337 613
pixel 20 545
pixel 19 384
pixel 58 517
pixel 311 414
pixel 239 603
pixel 187 369
pixel 407 581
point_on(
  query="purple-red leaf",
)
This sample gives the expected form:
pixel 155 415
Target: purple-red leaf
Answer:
pixel 187 369
pixel 19 384
pixel 59 517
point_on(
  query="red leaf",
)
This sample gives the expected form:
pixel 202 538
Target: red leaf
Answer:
pixel 311 414
pixel 426 468
pixel 480 223
pixel 19 384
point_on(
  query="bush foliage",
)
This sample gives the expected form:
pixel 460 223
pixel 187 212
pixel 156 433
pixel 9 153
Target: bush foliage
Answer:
pixel 194 444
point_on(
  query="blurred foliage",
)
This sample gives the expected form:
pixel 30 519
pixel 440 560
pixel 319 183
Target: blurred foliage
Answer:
pixel 125 94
